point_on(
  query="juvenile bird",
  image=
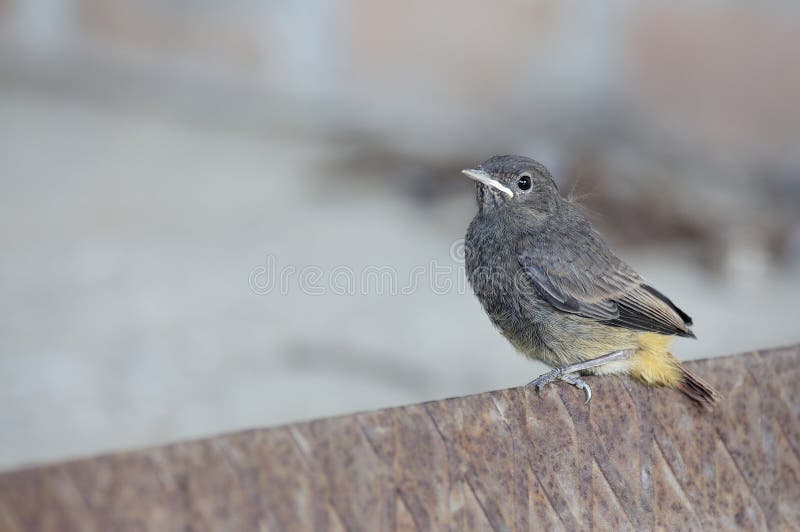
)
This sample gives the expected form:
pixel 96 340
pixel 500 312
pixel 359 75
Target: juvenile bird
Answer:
pixel 557 292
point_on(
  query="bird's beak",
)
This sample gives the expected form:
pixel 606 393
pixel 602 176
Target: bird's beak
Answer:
pixel 483 177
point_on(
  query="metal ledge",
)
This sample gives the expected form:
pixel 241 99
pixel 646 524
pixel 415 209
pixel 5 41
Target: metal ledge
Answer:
pixel 636 458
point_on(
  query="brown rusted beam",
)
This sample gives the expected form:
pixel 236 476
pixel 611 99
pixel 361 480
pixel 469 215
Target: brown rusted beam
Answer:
pixel 636 458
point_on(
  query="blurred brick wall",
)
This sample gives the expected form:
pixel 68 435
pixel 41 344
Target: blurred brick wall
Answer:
pixel 209 32
pixel 729 73
pixel 726 74
pixel 442 49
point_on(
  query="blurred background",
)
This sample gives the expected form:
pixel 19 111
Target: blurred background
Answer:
pixel 171 171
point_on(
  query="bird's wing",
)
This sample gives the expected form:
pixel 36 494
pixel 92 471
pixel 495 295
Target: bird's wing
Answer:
pixel 575 271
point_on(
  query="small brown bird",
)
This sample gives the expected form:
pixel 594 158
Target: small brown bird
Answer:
pixel 557 292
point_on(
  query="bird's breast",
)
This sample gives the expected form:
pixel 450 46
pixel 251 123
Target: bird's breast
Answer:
pixel 495 275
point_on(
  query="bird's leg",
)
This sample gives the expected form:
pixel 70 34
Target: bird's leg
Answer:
pixel 565 373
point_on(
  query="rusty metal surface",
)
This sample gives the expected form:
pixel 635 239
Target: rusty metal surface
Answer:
pixel 636 458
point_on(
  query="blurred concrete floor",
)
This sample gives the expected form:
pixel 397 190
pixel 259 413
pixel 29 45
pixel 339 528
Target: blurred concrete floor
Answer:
pixel 128 319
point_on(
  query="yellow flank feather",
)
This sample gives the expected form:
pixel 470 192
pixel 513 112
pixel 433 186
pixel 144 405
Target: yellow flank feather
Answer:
pixel 653 363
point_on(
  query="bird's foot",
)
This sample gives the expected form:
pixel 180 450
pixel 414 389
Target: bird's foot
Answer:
pixel 559 374
pixel 545 378
pixel 567 373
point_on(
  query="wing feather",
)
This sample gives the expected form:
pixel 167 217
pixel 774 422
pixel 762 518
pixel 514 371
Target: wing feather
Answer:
pixel 575 271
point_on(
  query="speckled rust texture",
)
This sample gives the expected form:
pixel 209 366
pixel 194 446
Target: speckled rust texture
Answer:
pixel 635 459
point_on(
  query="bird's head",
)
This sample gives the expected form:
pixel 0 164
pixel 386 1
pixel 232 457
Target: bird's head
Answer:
pixel 513 184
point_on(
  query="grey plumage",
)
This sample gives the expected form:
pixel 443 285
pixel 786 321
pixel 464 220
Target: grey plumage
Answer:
pixel 554 288
pixel 574 271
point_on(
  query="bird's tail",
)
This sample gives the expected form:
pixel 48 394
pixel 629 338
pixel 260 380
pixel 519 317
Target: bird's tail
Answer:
pixel 697 389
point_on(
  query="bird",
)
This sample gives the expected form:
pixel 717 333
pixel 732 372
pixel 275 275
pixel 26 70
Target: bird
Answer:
pixel 554 288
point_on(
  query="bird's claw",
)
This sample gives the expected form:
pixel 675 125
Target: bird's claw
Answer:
pixel 557 374
pixel 578 383
pixel 546 378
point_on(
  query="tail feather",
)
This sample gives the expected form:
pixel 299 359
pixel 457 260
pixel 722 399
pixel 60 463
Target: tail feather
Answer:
pixel 697 389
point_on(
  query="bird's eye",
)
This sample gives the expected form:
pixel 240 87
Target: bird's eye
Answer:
pixel 524 182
